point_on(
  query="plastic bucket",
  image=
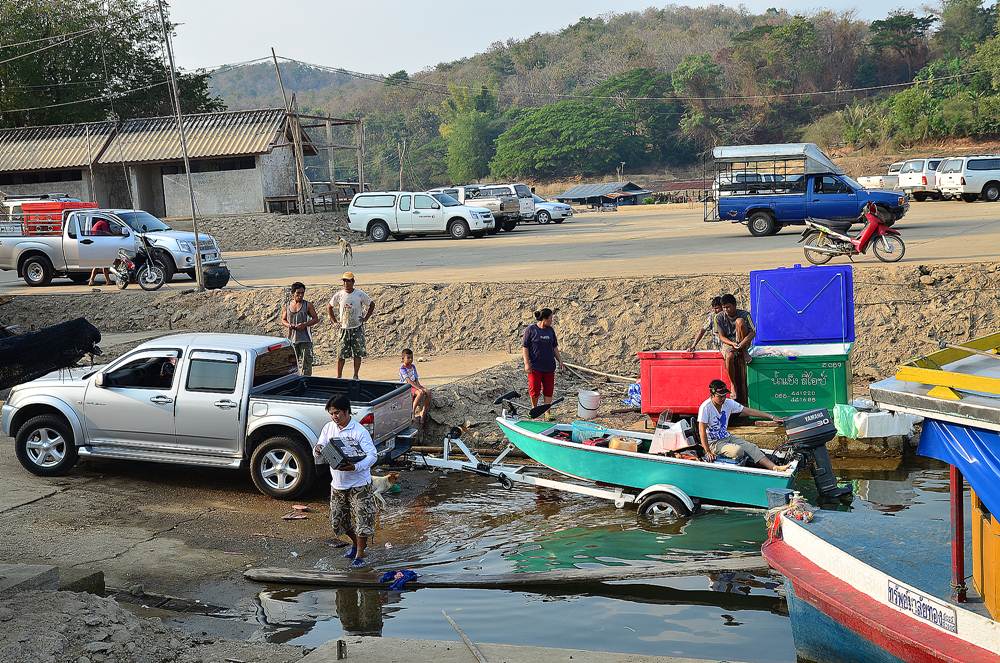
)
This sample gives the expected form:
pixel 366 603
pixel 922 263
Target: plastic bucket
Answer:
pixel 589 402
pixel 584 430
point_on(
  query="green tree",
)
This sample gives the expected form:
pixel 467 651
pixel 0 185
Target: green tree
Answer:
pixel 964 25
pixel 120 61
pixel 470 146
pixel 903 33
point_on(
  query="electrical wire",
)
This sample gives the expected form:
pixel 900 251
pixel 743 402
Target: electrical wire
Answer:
pixel 103 97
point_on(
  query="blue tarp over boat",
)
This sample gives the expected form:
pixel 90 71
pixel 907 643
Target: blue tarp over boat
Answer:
pixel 974 451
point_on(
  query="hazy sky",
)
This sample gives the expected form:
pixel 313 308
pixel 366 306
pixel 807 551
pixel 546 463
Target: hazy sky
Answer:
pixel 382 36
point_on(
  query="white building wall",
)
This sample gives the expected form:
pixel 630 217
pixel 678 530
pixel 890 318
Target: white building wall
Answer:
pixel 221 192
pixel 277 172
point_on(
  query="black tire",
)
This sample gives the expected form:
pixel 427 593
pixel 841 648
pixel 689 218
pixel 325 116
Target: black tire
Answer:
pixel 79 278
pixel 458 229
pixel 379 231
pixel 888 248
pixel 509 225
pixel 398 237
pixel 46 428
pixel 919 196
pixel 883 212
pixel 816 238
pixel 663 505
pixel 543 217
pixel 167 263
pixel 155 273
pixel 557 221
pixel 762 224
pixel 494 229
pixel 295 455
pixel 970 197
pixel 37 271
pixel 991 192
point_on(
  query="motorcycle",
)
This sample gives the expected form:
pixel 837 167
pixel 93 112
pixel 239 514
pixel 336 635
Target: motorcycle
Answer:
pixel 142 268
pixel 825 239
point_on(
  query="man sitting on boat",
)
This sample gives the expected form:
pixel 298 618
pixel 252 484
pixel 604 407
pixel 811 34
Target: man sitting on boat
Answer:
pixel 713 417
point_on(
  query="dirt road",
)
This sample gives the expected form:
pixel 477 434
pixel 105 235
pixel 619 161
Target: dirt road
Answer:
pixel 643 241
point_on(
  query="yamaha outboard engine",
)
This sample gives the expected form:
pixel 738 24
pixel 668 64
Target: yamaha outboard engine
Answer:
pixel 808 434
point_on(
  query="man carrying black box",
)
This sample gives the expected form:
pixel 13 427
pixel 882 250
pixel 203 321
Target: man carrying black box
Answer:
pixel 349 449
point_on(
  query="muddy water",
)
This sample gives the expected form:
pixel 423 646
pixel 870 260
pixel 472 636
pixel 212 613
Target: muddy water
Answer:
pixel 465 525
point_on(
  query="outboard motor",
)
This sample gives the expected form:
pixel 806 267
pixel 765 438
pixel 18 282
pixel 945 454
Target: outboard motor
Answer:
pixel 808 433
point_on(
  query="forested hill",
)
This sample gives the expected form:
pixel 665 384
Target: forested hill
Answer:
pixel 658 87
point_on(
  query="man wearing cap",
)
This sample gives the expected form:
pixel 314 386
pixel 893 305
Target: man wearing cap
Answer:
pixel 714 416
pixel 350 308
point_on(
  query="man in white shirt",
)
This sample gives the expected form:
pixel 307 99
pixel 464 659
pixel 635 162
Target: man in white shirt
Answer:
pixel 352 499
pixel 350 308
pixel 714 416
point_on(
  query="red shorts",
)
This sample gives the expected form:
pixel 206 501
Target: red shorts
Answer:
pixel 541 383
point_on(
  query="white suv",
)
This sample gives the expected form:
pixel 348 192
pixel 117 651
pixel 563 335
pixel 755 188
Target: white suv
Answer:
pixel 918 178
pixel 397 214
pixel 971 178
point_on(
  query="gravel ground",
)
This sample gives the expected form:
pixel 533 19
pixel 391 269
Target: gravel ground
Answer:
pixel 66 627
pixel 257 232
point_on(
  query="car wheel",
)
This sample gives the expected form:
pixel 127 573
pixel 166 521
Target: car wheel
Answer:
pixel 509 226
pixel 557 221
pixel 970 197
pixel 379 232
pixel 920 197
pixel 167 263
pixel 494 229
pixel 991 192
pixel 543 217
pixel 761 224
pixel 458 229
pixel 44 446
pixel 37 271
pixel 282 467
pixel 663 506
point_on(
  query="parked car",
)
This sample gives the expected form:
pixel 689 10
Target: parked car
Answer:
pixel 208 400
pixel 886 182
pixel 824 196
pixel 399 214
pixel 547 210
pixel 521 191
pixel 72 248
pixel 505 207
pixel 918 178
pixel 971 178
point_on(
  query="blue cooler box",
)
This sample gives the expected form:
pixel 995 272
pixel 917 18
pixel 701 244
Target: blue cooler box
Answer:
pixel 803 305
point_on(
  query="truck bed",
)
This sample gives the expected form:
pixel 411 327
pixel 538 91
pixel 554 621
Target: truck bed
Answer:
pixel 365 392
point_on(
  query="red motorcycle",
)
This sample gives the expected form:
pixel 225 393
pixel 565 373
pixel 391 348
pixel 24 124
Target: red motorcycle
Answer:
pixel 825 239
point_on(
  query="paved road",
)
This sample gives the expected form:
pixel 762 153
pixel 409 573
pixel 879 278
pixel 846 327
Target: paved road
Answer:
pixel 632 242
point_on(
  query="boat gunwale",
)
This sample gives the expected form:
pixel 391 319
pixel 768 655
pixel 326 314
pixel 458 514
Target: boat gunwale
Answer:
pixel 722 467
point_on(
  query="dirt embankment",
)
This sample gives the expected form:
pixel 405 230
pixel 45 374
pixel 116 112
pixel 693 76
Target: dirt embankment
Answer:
pixel 258 232
pixel 901 311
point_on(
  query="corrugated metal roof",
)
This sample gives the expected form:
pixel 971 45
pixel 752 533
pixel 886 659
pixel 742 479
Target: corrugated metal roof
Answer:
pixel 815 160
pixel 231 133
pixel 593 190
pixel 52 147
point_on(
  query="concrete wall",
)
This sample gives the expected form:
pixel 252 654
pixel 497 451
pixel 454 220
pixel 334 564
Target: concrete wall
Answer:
pixel 277 172
pixel 147 188
pixel 111 188
pixel 221 192
pixel 75 189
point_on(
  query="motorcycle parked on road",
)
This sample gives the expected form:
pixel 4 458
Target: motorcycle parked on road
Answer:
pixel 143 268
pixel 825 239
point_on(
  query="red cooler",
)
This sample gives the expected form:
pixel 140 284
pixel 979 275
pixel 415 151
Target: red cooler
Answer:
pixel 677 380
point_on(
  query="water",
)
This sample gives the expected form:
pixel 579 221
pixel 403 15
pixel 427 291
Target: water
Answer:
pixel 465 525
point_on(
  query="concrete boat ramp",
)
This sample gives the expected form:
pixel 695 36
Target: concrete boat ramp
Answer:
pixel 398 650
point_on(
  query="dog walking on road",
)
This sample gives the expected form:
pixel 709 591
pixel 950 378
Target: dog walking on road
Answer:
pixel 346 251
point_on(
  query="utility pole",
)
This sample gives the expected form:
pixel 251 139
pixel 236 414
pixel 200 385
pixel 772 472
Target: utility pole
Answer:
pixel 621 172
pixel 330 163
pixel 184 150
pixel 402 152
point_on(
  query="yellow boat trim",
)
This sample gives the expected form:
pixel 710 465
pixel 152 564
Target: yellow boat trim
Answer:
pixel 928 370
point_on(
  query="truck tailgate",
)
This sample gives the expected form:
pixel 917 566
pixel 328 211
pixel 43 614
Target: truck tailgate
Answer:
pixel 393 412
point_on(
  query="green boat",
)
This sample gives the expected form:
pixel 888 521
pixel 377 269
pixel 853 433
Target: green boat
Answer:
pixel 662 483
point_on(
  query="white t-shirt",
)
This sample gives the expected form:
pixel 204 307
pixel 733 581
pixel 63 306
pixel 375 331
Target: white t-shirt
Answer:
pixel 715 421
pixel 351 307
pixel 355 432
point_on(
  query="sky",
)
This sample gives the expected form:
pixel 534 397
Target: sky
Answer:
pixel 383 36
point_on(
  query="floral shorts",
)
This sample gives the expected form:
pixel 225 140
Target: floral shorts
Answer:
pixel 353 510
pixel 352 343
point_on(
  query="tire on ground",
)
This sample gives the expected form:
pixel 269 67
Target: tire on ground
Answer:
pixel 991 192
pixel 37 270
pixel 761 224
pixel 458 229
pixel 290 454
pixel 167 262
pixel 38 429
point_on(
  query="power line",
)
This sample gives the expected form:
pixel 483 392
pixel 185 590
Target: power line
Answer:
pixel 103 97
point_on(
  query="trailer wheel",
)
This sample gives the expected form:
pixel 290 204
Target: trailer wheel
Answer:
pixel 505 481
pixel 663 506
pixel 762 224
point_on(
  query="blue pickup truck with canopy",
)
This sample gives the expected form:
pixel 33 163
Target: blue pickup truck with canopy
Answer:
pixel 768 187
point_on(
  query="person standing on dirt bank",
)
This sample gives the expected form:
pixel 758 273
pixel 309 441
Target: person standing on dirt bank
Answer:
pixel 297 317
pixel 736 333
pixel 352 497
pixel 709 327
pixel 351 308
pixel 540 349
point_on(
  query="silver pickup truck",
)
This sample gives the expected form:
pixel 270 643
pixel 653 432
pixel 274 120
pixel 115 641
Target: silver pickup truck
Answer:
pixel 89 238
pixel 212 400
pixel 505 207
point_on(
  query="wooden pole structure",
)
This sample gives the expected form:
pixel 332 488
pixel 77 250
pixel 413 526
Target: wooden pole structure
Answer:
pixel 955 486
pixel 184 151
pixel 361 156
pixel 305 188
pixel 299 187
pixel 330 165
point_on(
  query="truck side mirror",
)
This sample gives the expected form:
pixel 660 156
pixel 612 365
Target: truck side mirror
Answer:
pixel 123 231
pixel 99 380
pixel 436 206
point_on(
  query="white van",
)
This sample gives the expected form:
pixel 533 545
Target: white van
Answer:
pixel 918 178
pixel 971 178
pixel 398 214
pixel 526 202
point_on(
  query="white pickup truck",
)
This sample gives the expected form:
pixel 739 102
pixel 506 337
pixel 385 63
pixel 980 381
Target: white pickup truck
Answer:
pixel 210 400
pixel 88 238
pixel 398 214
pixel 918 178
pixel 887 182
pixel 506 207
